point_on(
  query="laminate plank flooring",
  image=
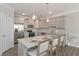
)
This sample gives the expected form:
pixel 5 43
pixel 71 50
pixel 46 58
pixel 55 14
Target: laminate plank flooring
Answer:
pixel 11 52
pixel 71 51
pixel 67 51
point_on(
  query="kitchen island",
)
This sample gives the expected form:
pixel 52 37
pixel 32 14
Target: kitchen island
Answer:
pixel 26 43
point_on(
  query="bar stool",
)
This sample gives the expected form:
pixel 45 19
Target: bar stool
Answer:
pixel 56 45
pixel 53 47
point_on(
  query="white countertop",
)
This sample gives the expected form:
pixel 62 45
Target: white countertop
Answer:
pixel 28 42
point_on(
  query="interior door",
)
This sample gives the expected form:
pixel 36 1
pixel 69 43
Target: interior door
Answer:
pixel 3 32
pixel 6 28
pixel 0 33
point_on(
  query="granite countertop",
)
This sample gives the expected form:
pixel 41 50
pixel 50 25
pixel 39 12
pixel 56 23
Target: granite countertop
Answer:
pixel 33 41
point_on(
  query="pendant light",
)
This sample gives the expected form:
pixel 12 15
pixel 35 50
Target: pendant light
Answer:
pixel 34 16
pixel 47 20
pixel 23 14
pixel 48 8
pixel 49 11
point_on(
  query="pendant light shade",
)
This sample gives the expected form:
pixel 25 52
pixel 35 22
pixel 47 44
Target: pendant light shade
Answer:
pixel 47 20
pixel 33 17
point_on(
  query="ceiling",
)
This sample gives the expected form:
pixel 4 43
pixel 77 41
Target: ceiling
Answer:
pixel 41 10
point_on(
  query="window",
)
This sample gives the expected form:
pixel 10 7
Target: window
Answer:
pixel 19 27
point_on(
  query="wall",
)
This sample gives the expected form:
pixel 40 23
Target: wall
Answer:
pixel 72 29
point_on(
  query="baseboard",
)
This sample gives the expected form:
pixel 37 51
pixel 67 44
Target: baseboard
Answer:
pixel 74 46
pixel 66 45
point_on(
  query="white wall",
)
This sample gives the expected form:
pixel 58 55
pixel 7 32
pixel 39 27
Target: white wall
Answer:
pixel 72 29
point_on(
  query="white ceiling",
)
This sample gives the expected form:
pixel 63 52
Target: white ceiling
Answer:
pixel 41 9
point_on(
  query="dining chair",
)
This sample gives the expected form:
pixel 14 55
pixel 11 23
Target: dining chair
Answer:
pixel 56 45
pixel 61 45
pixel 40 50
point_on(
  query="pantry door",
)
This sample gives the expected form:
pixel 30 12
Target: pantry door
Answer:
pixel 4 32
pixel 0 33
pixel 6 29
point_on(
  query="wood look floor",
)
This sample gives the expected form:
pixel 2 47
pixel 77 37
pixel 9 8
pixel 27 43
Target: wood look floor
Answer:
pixel 11 52
pixel 67 51
pixel 71 51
